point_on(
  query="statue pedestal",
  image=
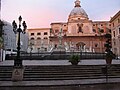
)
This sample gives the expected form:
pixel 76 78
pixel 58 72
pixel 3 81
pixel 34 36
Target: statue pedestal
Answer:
pixel 17 74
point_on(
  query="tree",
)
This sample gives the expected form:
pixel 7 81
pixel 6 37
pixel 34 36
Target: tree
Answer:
pixel 1 33
pixel 108 45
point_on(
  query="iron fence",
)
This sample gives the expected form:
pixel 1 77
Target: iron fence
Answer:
pixel 56 56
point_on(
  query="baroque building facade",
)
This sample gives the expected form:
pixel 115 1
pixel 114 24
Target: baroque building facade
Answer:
pixel 115 28
pixel 79 33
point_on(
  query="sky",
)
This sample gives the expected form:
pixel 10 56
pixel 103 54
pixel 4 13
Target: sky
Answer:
pixel 41 13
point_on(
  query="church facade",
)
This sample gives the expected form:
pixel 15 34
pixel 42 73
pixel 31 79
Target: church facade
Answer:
pixel 79 33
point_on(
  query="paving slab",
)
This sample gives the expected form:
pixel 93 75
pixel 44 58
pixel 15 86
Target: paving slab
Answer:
pixel 58 82
pixel 59 62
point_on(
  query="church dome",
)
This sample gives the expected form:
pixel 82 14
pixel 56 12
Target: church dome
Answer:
pixel 78 11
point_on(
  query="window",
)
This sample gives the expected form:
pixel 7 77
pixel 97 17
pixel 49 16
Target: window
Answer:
pixel 119 30
pixel 56 31
pixel 110 30
pixel 45 33
pixel 113 24
pixel 38 38
pixel 45 38
pixel 38 41
pixel 32 34
pixel 38 49
pixel 94 30
pixel 33 43
pixel 96 45
pixel 38 33
pixel 102 30
pixel 45 49
pixel 114 33
pixel 114 43
pixel 118 20
pixel 32 38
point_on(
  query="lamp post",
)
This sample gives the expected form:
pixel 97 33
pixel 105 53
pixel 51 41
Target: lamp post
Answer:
pixel 18 67
pixel 18 61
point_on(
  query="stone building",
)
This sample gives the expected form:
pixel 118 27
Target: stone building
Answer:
pixel 10 39
pixel 80 33
pixel 38 39
pixel 115 28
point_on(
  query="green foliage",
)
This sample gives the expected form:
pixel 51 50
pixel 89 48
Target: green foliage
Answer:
pixel 110 55
pixel 74 59
pixel 1 42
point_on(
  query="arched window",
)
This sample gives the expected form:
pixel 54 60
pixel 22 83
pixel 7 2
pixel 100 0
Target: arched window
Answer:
pixel 45 38
pixel 32 38
pixel 38 41
pixel 38 38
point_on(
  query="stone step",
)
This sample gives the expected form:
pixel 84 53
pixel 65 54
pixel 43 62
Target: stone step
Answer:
pixel 61 72
pixel 69 68
pixel 64 73
pixel 64 78
pixel 60 76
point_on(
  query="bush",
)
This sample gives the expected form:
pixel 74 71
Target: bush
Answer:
pixel 74 59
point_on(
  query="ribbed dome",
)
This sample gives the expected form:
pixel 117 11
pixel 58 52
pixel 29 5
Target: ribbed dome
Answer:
pixel 78 11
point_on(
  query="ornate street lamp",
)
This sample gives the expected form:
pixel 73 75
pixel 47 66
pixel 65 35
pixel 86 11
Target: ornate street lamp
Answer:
pixel 18 67
pixel 18 61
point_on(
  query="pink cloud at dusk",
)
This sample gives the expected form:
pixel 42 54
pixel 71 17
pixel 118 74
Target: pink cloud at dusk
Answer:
pixel 43 19
pixel 41 13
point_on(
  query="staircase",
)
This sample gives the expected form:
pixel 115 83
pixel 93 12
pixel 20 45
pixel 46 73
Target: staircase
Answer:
pixel 63 72
pixel 5 73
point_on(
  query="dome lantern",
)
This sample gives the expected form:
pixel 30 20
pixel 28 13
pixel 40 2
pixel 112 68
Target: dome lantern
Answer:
pixel 77 3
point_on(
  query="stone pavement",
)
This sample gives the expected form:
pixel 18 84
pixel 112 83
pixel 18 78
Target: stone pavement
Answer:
pixel 58 82
pixel 59 62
